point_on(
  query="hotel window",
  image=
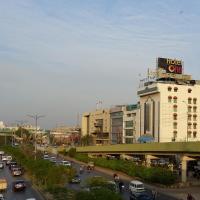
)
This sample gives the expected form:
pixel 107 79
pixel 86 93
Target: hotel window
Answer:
pixel 189 117
pixel 175 116
pixel 175 108
pixel 175 89
pixel 175 134
pixel 194 125
pixel 194 109
pixel 194 134
pixel 169 99
pixel 189 90
pixel 189 100
pixel 194 117
pixel 175 99
pixel 169 89
pixel 189 134
pixel 189 108
pixel 189 125
pixel 175 125
pixel 194 101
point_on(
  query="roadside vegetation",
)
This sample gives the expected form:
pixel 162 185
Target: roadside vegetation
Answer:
pixel 42 173
pixel 52 180
pixel 151 174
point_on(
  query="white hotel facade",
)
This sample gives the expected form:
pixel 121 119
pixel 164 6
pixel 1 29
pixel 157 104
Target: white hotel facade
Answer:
pixel 170 108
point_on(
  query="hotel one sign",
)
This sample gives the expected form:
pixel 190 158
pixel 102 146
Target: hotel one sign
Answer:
pixel 170 65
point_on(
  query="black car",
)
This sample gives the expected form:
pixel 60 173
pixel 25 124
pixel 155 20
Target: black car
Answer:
pixel 76 179
pixel 18 186
pixel 144 195
pixel 13 163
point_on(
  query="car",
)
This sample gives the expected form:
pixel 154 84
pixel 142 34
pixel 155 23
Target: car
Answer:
pixel 1 165
pixel 76 179
pixel 46 157
pixel 18 186
pixel 136 186
pixel 16 171
pixel 144 195
pixel 12 163
pixel 90 166
pixel 66 163
pixel 1 197
pixel 5 158
pixel 29 199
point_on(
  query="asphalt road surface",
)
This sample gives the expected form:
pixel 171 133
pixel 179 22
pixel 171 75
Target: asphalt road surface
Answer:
pixel 125 193
pixel 10 195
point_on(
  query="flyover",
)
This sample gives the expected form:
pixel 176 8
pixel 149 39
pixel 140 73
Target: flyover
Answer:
pixel 170 148
pixel 186 150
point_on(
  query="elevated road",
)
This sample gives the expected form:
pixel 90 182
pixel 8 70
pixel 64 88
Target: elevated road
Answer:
pixel 172 148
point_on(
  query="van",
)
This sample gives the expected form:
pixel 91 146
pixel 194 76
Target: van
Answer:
pixel 136 186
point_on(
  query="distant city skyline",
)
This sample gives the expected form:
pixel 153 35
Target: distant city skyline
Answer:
pixel 59 58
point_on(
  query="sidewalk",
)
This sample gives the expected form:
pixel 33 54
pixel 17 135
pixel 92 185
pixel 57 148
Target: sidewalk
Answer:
pixel 179 193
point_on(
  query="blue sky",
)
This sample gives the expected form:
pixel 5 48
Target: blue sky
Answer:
pixel 58 58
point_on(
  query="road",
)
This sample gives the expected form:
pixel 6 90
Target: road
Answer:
pixel 10 195
pixel 87 174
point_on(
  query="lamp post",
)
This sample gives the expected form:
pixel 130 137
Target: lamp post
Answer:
pixel 21 122
pixel 35 117
pixel 187 120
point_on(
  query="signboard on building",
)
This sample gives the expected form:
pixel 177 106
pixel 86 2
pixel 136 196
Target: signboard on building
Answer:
pixel 170 65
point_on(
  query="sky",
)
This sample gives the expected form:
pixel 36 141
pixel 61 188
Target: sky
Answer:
pixel 59 58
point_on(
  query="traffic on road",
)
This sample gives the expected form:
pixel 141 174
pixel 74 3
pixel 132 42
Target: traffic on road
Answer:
pixel 134 190
pixel 13 186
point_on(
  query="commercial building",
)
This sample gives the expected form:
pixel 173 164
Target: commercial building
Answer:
pixel 130 123
pixel 170 104
pixel 97 124
pixel 116 124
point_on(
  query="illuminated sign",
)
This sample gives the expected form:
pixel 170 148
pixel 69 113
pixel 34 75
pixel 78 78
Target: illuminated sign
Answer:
pixel 170 65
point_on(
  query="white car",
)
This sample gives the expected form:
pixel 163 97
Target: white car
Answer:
pixel 1 197
pixel 66 163
pixel 136 186
pixel 29 199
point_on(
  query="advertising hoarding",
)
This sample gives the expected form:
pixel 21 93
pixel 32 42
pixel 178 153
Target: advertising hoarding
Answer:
pixel 170 65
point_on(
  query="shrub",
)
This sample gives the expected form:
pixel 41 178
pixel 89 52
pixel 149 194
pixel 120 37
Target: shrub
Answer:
pixel 152 174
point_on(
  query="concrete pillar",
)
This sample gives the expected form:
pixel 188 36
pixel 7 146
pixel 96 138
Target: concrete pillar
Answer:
pixel 184 160
pixel 184 170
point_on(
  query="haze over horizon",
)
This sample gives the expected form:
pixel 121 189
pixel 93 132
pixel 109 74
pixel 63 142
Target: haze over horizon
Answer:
pixel 59 58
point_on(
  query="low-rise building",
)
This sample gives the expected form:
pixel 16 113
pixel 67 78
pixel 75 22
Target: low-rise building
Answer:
pixel 97 125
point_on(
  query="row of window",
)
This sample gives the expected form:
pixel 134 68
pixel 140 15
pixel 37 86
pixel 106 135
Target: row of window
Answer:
pixel 175 100
pixel 189 125
pixel 190 134
pixel 175 116
pixel 176 89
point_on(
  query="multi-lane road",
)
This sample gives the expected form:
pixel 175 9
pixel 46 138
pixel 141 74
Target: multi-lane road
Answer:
pixel 125 194
pixel 10 195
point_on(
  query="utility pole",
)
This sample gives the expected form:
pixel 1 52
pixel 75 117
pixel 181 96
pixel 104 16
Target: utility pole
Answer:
pixel 21 122
pixel 35 117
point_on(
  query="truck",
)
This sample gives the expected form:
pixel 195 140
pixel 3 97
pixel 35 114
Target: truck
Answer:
pixel 90 166
pixel 3 184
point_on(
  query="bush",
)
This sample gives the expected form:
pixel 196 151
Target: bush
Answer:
pixel 42 172
pixel 152 174
pixel 72 152
pixel 98 194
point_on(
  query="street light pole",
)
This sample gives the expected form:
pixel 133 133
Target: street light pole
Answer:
pixel 187 120
pixel 21 122
pixel 35 117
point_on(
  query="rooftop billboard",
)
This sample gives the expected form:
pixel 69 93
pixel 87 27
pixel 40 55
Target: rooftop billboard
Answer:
pixel 170 65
